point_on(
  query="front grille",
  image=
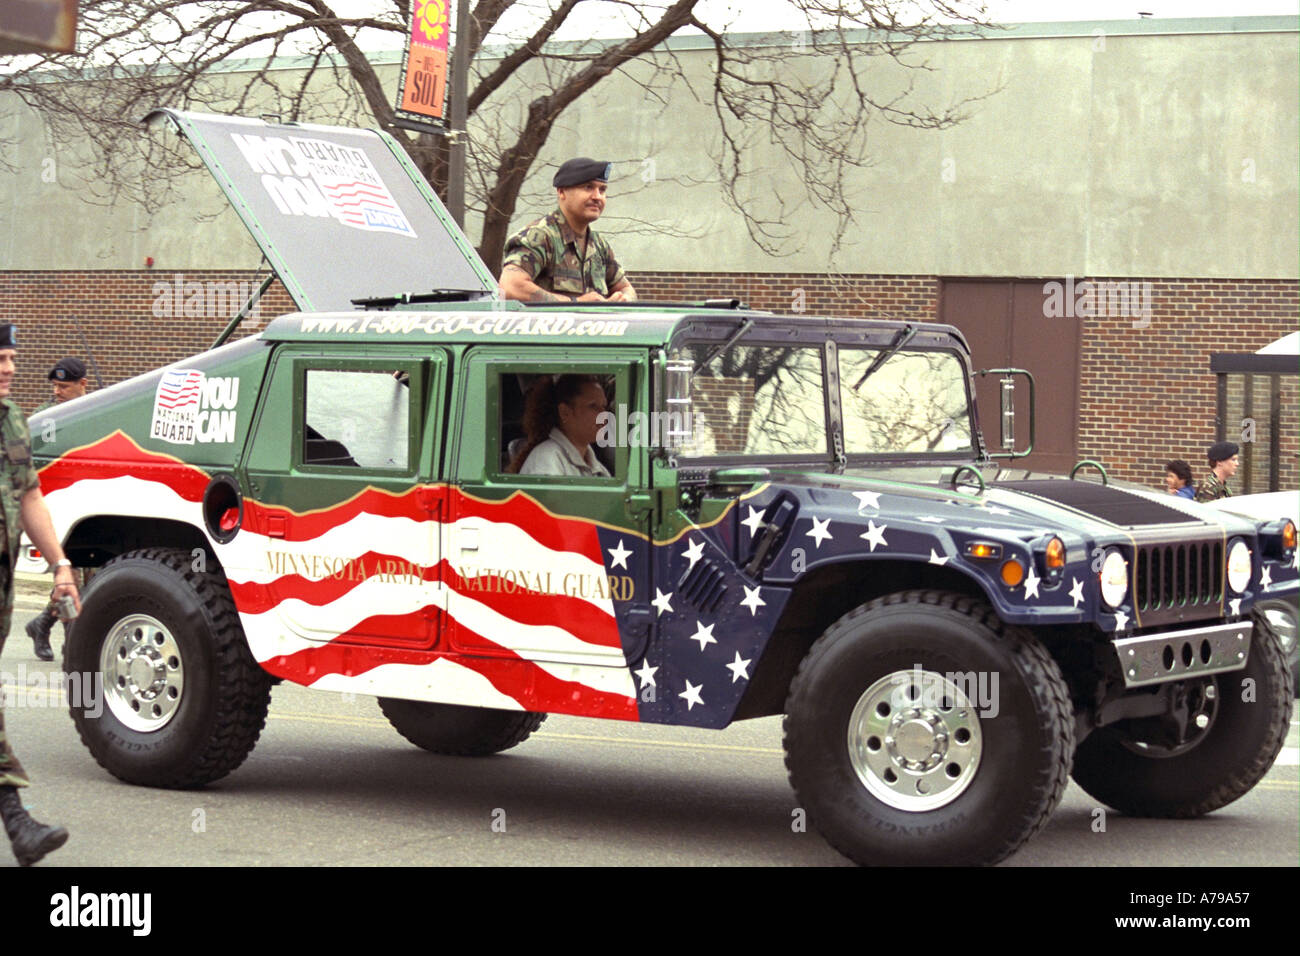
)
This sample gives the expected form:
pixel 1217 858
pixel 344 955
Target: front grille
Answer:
pixel 1179 575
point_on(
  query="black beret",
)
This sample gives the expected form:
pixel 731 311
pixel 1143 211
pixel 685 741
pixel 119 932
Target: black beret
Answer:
pixel 575 172
pixel 68 370
pixel 8 335
pixel 1222 451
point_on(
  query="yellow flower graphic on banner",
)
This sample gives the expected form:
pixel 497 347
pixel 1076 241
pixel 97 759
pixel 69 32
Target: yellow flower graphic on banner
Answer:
pixel 430 20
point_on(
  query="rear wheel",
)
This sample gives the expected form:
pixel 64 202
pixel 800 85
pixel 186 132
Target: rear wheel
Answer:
pixel 919 729
pixel 164 691
pixel 459 731
pixel 1237 723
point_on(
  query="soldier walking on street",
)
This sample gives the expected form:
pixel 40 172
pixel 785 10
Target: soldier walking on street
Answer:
pixel 67 380
pixel 1223 465
pixel 22 507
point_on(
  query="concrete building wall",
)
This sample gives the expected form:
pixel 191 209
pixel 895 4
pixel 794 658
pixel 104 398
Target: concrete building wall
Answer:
pixel 1149 147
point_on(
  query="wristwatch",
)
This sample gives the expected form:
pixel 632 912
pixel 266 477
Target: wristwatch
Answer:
pixel 62 563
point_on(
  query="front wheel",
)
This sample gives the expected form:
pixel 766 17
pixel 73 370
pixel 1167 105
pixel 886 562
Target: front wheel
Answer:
pixel 921 730
pixel 1135 768
pixel 163 689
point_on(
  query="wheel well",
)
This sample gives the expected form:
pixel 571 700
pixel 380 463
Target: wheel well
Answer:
pixel 822 597
pixel 96 541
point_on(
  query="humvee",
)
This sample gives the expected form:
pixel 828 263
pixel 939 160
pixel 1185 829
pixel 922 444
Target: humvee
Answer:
pixel 802 517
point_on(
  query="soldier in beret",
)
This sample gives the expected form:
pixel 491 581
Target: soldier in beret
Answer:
pixel 67 379
pixel 22 508
pixel 560 258
pixel 1223 465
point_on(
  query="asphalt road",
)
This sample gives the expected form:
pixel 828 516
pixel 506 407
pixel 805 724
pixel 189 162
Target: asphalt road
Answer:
pixel 331 783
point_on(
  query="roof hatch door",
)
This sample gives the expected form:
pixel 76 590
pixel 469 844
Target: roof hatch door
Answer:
pixel 341 214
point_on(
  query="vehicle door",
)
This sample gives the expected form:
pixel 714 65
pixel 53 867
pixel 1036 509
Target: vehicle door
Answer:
pixel 545 567
pixel 340 532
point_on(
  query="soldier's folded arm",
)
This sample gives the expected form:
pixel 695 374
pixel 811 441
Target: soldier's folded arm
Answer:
pixel 40 528
pixel 516 283
pixel 623 292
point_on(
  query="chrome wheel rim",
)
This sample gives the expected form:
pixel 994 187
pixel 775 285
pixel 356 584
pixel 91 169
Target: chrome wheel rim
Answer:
pixel 143 674
pixel 914 740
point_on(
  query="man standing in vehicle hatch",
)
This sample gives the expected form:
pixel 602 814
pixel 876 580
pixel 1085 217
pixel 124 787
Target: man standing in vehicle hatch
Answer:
pixel 561 259
pixel 22 507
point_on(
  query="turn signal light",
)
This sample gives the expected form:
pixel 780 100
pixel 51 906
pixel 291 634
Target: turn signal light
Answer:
pixel 1288 536
pixel 1013 572
pixel 1055 555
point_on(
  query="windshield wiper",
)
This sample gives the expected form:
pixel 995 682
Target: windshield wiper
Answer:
pixel 902 338
pixel 735 337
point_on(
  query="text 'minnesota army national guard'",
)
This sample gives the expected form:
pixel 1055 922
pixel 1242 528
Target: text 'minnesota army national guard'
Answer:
pixel 560 258
pixel 22 507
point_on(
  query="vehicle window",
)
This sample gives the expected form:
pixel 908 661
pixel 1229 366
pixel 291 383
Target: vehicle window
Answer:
pixel 757 400
pixel 528 413
pixel 914 402
pixel 356 418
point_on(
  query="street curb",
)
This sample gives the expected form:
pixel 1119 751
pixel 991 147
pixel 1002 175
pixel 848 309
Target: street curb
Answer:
pixel 30 585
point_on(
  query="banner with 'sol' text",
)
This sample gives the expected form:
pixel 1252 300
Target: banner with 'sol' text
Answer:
pixel 424 72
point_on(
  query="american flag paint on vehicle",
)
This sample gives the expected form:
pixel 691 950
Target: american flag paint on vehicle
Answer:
pixel 544 619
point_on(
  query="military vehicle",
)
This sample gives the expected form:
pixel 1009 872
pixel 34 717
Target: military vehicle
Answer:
pixel 801 517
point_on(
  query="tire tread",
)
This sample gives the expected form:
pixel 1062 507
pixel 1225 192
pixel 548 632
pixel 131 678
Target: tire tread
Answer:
pixel 245 694
pixel 1042 677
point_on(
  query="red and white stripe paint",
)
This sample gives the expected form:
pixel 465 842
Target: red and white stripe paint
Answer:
pixel 428 633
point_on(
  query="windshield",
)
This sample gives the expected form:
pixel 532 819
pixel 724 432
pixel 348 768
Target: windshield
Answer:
pixel 756 400
pixel 767 400
pixel 914 402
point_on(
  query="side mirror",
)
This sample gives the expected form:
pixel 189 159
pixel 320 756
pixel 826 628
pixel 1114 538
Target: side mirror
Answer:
pixel 1007 418
pixel 674 385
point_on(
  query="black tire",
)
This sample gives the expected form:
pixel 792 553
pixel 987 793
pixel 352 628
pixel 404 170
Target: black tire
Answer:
pixel 1236 749
pixel 1024 735
pixel 222 697
pixel 459 731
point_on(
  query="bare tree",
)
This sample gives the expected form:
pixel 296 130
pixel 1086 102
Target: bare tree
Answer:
pixel 143 54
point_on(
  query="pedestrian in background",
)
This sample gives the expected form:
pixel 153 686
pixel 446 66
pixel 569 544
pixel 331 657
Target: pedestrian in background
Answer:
pixel 1223 465
pixel 68 381
pixel 1178 478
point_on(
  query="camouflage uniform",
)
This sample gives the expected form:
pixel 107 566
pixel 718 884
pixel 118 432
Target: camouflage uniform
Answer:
pixel 549 251
pixel 1212 488
pixel 17 477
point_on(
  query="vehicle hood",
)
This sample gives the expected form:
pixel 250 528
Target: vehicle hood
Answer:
pixel 1030 504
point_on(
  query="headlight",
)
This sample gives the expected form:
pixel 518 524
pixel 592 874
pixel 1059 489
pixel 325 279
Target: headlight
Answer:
pixel 1114 579
pixel 1238 566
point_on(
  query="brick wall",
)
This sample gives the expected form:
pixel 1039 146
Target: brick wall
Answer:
pixel 1146 394
pixel 857 296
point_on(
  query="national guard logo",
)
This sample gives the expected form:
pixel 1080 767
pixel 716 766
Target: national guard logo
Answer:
pixel 189 406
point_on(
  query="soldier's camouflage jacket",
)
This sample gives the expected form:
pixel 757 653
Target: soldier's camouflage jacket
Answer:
pixel 548 251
